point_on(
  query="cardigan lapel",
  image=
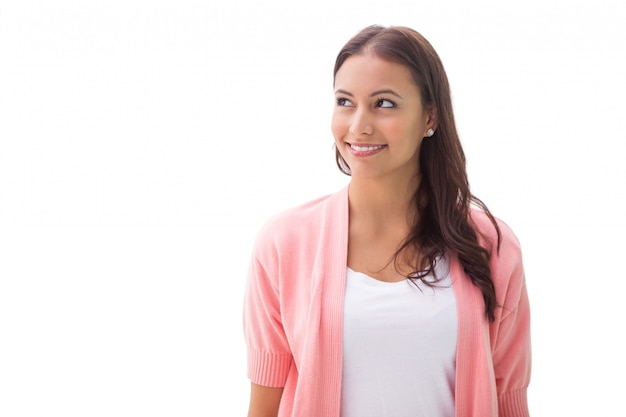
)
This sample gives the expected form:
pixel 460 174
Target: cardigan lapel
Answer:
pixel 334 293
pixel 329 276
pixel 473 361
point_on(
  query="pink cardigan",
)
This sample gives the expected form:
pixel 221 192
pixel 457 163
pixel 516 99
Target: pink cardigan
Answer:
pixel 293 315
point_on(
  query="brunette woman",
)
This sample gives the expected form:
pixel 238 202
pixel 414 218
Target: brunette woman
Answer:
pixel 401 294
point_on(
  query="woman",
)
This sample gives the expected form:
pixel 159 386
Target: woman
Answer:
pixel 400 295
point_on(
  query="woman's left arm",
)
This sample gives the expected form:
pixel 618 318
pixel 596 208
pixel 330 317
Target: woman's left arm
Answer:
pixel 510 333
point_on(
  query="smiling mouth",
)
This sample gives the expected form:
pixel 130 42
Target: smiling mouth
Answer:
pixel 365 148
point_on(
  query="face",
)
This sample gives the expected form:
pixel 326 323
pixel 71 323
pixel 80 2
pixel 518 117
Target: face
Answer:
pixel 379 120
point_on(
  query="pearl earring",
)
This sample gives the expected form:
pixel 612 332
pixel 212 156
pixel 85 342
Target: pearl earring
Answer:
pixel 429 133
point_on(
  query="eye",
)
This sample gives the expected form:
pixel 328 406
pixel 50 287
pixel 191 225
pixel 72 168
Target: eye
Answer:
pixel 385 104
pixel 343 102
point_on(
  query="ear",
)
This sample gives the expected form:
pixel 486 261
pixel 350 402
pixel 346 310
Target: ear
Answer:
pixel 431 121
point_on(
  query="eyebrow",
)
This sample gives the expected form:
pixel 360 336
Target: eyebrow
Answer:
pixel 374 94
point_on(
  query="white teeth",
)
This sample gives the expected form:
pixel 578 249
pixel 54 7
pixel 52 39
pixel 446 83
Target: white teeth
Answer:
pixel 365 148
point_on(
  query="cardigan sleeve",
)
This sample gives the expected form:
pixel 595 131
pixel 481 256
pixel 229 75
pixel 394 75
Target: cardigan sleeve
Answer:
pixel 269 355
pixel 510 333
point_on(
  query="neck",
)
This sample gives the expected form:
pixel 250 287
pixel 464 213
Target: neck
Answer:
pixel 383 202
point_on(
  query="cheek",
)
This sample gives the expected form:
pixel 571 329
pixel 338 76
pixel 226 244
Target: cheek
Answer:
pixel 411 132
pixel 396 130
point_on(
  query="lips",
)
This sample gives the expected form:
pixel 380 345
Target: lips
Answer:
pixel 365 149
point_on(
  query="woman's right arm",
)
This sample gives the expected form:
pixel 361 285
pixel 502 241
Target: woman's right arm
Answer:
pixel 264 401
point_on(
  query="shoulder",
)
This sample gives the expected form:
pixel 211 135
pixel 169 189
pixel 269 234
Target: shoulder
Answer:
pixel 295 215
pixel 298 223
pixel 488 234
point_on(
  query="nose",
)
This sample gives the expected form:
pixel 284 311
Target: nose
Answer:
pixel 361 123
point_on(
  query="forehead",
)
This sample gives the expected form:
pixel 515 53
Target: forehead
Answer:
pixel 370 71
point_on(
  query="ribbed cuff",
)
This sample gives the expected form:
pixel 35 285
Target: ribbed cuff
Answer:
pixel 268 369
pixel 513 404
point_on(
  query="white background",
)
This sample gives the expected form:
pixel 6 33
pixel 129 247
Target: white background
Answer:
pixel 143 143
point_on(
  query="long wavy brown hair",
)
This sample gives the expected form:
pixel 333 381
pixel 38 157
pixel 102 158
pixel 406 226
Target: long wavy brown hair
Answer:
pixel 443 199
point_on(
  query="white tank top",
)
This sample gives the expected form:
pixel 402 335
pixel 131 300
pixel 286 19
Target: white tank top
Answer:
pixel 399 347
